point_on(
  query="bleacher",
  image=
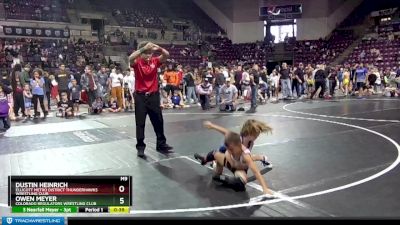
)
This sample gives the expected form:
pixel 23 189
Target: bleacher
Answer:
pixel 41 10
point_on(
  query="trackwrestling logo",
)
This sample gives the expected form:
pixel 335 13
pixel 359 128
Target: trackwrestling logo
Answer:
pixel 33 220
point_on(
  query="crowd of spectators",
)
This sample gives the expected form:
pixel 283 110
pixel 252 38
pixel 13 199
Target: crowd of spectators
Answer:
pixel 59 75
pixel 42 10
pixel 48 54
pixel 138 18
pixel 149 14
pixel 382 53
pixel 226 86
pixel 322 50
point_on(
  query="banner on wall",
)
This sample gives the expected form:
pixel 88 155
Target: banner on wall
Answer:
pixel 281 12
pixel 384 12
pixel 36 32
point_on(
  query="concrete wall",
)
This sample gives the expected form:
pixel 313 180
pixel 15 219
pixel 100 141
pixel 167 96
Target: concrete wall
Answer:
pixel 245 11
pixel 246 26
pixel 323 26
pixel 214 13
pixel 248 32
pixel 225 6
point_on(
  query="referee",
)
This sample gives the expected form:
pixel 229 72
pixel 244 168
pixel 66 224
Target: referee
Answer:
pixel 147 95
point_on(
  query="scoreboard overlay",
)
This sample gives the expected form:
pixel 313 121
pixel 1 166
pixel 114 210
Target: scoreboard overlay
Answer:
pixel 70 194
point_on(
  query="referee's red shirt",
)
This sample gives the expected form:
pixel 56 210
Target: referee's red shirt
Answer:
pixel 146 74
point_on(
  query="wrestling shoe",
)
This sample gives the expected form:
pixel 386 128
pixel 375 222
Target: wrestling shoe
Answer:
pixel 201 159
pixel 266 163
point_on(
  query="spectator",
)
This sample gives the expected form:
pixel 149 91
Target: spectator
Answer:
pixel 54 89
pixel 89 84
pixel 75 91
pixel 27 95
pixel 162 34
pixel 205 90
pixel 238 79
pixel 362 55
pixel 229 96
pixel 65 106
pixel 18 89
pixel 102 77
pixel 246 83
pixel 333 80
pixel 97 106
pixel 172 79
pixel 360 78
pixel 219 82
pixel 129 83
pixel 319 77
pixel 298 80
pixel 190 85
pixel 37 84
pixel 116 79
pixel 4 106
pixel 63 78
pixel 25 77
pixel 114 107
pixel 47 90
pixel 285 81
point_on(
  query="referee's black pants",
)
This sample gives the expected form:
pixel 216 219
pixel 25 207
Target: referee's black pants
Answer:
pixel 149 104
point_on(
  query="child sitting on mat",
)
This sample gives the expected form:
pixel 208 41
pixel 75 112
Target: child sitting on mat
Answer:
pixel 250 131
pixel 238 160
pixel 97 106
pixel 176 100
pixel 114 107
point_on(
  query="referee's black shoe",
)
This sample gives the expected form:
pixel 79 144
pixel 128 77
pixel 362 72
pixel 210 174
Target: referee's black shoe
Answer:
pixel 165 149
pixel 251 110
pixel 140 153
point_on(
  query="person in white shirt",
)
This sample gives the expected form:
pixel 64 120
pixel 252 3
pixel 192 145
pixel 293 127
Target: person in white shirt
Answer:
pixel 378 82
pixel 16 60
pixel 246 83
pixel 225 72
pixel 116 80
pixel 129 81
pixel 274 77
pixel 229 96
